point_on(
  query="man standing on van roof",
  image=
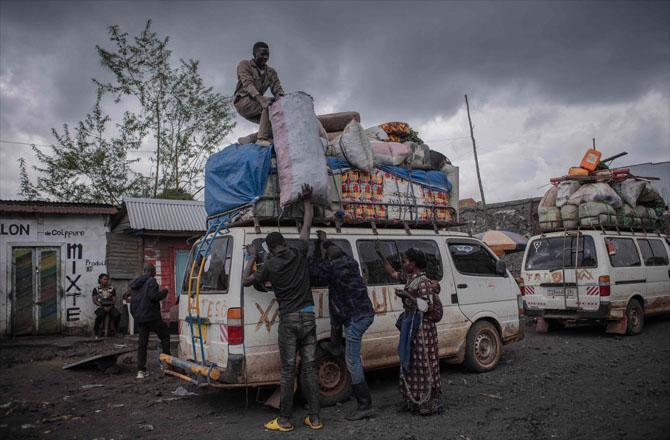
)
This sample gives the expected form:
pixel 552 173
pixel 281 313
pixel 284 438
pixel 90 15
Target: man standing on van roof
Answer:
pixel 254 77
pixel 350 307
pixel 287 270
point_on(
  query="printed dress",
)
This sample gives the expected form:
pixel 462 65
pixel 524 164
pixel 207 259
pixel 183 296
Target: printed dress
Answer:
pixel 422 387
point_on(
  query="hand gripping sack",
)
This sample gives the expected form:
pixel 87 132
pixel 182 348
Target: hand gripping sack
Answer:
pixel 354 147
pixel 300 156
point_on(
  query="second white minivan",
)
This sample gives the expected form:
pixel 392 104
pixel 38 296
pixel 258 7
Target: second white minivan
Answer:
pixel 611 276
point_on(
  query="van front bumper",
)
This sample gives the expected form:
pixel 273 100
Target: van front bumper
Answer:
pixel 204 375
pixel 604 312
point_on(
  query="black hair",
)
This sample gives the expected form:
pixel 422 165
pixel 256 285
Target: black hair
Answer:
pixel 274 239
pixel 149 269
pixel 102 275
pixel 417 257
pixel 259 45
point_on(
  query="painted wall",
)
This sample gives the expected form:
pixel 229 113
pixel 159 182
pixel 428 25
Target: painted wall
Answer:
pixel 161 252
pixel 82 244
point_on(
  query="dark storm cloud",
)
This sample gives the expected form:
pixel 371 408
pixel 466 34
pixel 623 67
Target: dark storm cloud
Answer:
pixel 400 60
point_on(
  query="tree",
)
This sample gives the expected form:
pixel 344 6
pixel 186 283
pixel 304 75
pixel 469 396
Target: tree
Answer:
pixel 28 191
pixel 185 119
pixel 86 166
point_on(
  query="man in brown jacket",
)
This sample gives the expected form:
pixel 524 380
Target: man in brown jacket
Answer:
pixel 254 77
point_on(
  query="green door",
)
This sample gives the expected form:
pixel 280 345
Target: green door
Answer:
pixel 35 285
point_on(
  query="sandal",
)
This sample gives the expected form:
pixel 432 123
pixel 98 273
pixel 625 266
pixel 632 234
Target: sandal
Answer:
pixel 315 426
pixel 273 425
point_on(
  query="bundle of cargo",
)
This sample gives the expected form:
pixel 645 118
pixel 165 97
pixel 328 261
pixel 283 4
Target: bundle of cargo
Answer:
pixel 600 198
pixel 250 184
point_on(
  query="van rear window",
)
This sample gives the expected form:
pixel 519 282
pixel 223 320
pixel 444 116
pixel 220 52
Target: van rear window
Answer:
pixel 561 252
pixel 215 275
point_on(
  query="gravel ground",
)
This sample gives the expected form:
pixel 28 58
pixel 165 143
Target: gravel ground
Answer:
pixel 571 384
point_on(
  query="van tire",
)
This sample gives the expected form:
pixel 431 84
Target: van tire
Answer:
pixel 484 347
pixel 634 318
pixel 333 379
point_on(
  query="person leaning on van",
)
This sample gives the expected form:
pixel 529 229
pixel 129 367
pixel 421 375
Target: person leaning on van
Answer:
pixel 420 380
pixel 350 307
pixel 287 269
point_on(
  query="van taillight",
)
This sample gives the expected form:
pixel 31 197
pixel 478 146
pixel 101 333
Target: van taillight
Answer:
pixel 235 326
pixel 604 285
pixel 522 287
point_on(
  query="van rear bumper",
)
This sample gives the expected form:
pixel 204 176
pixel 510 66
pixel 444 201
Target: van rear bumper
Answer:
pixel 603 312
pixel 201 375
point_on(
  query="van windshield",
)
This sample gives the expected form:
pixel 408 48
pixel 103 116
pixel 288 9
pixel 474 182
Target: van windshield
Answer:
pixel 561 252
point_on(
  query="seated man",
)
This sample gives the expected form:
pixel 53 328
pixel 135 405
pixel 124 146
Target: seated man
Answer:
pixel 254 77
pixel 104 296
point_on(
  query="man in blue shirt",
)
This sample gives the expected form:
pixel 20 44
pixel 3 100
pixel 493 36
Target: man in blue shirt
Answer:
pixel 350 308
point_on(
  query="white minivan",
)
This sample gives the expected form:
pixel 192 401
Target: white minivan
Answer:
pixel 239 324
pixel 616 277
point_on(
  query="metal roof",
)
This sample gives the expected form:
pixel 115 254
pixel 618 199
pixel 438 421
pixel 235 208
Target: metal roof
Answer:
pixel 166 215
pixel 58 208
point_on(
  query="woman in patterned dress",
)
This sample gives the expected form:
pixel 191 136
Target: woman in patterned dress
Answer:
pixel 421 386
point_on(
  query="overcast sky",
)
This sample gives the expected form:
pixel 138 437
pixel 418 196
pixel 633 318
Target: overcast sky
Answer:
pixel 543 78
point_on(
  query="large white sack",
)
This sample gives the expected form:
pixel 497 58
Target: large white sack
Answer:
pixel 377 133
pixel 596 192
pixel 550 218
pixel 597 214
pixel 354 147
pixel 565 190
pixel 420 158
pixel 390 153
pixel 549 198
pixel 300 155
pixel 630 190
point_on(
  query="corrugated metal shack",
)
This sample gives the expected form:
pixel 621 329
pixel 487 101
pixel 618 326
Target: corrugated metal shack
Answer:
pixel 154 231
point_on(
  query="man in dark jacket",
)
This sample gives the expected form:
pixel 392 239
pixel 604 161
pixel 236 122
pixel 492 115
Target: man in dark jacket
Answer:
pixel 350 308
pixel 145 298
pixel 287 269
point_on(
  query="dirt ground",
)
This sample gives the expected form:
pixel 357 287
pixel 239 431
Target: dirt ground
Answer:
pixel 571 384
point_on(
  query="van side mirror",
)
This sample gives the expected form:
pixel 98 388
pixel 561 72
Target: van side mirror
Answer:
pixel 501 268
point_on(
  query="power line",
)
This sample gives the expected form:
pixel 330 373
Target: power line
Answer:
pixel 28 144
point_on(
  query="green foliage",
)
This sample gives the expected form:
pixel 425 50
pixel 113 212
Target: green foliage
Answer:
pixel 181 120
pixel 185 119
pixel 87 166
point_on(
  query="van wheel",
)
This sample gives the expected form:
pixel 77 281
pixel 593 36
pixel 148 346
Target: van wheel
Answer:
pixel 332 377
pixel 634 318
pixel 484 347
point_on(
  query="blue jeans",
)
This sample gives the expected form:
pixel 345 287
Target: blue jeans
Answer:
pixel 353 333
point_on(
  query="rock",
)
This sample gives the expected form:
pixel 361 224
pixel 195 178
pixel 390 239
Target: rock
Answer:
pixel 146 427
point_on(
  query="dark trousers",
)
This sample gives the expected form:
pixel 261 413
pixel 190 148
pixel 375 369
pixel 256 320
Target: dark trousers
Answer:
pixel 101 313
pixel 157 326
pixel 252 111
pixel 297 332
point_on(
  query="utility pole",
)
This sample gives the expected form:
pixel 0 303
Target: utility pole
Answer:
pixel 479 177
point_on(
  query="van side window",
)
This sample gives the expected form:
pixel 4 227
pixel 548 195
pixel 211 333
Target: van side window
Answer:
pixel 432 252
pixel 653 252
pixel 622 252
pixel 559 252
pixel 472 259
pixel 372 266
pixel 216 272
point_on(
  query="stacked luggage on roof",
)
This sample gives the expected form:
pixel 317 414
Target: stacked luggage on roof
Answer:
pixel 592 195
pixel 384 174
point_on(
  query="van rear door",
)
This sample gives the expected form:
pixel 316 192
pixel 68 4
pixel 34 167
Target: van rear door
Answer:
pixel 560 273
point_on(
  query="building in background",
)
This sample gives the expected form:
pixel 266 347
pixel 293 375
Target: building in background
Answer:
pixel 50 257
pixel 156 231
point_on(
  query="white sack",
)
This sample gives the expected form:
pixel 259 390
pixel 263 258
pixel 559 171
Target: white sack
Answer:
pixel 354 147
pixel 565 190
pixel 596 192
pixel 300 155
pixel 549 198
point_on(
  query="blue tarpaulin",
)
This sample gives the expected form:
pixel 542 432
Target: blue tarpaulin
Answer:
pixel 433 179
pixel 236 176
